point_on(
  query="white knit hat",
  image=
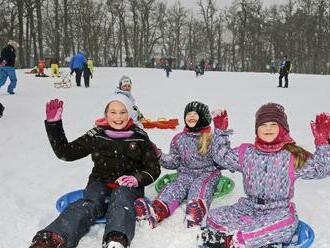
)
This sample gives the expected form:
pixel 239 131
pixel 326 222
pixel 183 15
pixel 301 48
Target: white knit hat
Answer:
pixel 13 43
pixel 124 100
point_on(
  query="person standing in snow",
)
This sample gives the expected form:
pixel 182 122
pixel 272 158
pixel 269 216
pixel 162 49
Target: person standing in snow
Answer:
pixel 270 166
pixel 124 163
pixel 77 65
pixel 2 108
pixel 7 66
pixel 285 67
pixel 87 73
pixel 167 69
pixel 198 174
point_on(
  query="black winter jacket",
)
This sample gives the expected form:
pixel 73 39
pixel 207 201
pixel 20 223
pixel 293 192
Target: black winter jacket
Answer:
pixel 8 53
pixel 112 157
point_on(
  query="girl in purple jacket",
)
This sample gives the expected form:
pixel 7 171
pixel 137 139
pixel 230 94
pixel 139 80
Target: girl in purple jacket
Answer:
pixel 269 167
pixel 198 174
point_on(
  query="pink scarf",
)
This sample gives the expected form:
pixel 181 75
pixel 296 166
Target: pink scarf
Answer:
pixel 277 144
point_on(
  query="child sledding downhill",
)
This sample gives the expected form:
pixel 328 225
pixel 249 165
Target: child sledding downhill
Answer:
pixel 197 176
pixel 270 166
pixel 124 163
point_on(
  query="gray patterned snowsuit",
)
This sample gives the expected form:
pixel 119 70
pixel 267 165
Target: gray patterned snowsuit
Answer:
pixel 197 174
pixel 267 214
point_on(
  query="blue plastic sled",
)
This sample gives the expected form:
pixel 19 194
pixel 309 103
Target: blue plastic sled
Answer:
pixel 70 197
pixel 303 238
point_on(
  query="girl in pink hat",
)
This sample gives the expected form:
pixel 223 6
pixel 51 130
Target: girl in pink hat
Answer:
pixel 269 167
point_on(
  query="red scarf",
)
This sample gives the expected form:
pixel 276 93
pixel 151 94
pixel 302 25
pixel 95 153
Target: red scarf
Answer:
pixel 104 122
pixel 277 144
pixel 203 130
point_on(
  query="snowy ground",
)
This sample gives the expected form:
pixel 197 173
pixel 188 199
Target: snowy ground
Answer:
pixel 32 178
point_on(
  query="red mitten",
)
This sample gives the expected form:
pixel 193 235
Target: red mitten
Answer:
pixel 321 128
pixel 221 120
pixel 54 109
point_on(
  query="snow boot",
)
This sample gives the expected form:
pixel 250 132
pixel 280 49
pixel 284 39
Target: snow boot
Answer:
pixel 115 240
pixel 45 239
pixel 212 239
pixel 195 213
pixel 154 213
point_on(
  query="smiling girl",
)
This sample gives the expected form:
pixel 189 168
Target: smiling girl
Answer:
pixel 269 167
pixel 124 163
pixel 198 174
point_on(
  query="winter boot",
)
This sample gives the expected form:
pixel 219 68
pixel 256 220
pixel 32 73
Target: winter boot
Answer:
pixel 195 213
pixel 115 240
pixel 154 213
pixel 212 239
pixel 46 239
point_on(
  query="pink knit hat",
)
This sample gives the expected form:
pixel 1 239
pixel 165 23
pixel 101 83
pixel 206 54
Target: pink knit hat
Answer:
pixel 272 112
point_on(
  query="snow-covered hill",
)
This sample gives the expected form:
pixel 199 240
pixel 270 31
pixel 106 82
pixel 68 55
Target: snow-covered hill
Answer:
pixel 32 178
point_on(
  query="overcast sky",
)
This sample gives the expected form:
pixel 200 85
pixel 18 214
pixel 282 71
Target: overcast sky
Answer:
pixel 221 3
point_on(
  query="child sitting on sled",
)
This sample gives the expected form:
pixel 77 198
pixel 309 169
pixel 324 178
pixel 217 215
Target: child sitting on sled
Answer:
pixel 198 174
pixel 124 163
pixel 270 166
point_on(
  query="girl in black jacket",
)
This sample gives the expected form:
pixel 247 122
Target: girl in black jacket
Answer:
pixel 124 162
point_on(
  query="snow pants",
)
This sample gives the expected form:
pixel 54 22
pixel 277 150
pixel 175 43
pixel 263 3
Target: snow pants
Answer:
pixel 187 186
pixel 78 76
pixel 285 75
pixel 255 225
pixel 5 72
pixel 117 205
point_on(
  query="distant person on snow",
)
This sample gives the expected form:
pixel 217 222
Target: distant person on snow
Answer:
pixel 7 66
pixel 269 168
pixel 124 163
pixel 167 69
pixel 88 74
pixel 198 70
pixel 285 68
pixel 198 174
pixel 77 65
pixel 2 108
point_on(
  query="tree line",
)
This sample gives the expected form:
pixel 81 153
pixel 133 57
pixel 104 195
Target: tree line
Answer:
pixel 246 36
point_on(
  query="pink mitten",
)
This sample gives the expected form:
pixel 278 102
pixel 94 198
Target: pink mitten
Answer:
pixel 128 181
pixel 321 128
pixel 54 109
pixel 221 121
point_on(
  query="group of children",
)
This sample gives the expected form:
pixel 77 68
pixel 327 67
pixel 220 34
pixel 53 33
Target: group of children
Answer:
pixel 125 161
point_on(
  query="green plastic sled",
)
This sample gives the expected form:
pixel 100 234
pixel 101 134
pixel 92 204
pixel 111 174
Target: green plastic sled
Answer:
pixel 224 187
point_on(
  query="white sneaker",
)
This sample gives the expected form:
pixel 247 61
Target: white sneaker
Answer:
pixel 114 244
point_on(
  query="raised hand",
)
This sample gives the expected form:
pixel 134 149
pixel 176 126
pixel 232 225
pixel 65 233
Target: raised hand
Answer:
pixel 128 181
pixel 54 109
pixel 321 128
pixel 221 120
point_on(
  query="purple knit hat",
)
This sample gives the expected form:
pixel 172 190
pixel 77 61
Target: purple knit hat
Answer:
pixel 272 112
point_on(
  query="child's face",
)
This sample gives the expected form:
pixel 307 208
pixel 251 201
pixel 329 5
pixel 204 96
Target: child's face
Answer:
pixel 126 87
pixel 191 118
pixel 117 115
pixel 268 131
